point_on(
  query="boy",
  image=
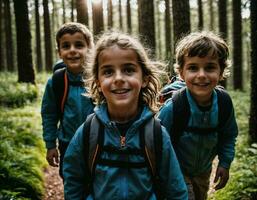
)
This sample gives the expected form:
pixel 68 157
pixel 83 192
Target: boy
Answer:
pixel 202 61
pixel 74 44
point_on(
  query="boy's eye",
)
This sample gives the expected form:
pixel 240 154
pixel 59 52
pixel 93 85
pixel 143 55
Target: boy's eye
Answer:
pixel 79 45
pixel 210 67
pixel 65 45
pixel 192 68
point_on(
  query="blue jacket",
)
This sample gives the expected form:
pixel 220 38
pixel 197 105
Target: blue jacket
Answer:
pixel 76 109
pixel 196 152
pixel 119 183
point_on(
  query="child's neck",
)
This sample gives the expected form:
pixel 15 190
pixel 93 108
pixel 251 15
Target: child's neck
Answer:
pixel 122 116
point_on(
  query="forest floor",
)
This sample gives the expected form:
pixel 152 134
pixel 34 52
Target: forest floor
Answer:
pixel 54 185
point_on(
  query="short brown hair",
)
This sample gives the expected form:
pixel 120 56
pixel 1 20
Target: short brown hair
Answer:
pixel 74 27
pixel 200 44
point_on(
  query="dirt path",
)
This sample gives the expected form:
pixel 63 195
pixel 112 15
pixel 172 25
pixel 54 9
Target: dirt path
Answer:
pixel 53 184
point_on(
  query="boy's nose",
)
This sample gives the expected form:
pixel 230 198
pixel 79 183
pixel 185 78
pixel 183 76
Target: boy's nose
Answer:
pixel 201 72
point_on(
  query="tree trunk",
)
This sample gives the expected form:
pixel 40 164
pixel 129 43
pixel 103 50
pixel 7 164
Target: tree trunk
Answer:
pixel 63 11
pixel 146 22
pixel 82 12
pixel 110 16
pixel 8 36
pixel 24 51
pixel 129 17
pixel 168 34
pixel 38 39
pixel 120 16
pixel 98 25
pixel 223 30
pixel 237 45
pixel 1 41
pixel 72 10
pixel 200 13
pixel 253 107
pixel 211 26
pixel 48 38
pixel 181 18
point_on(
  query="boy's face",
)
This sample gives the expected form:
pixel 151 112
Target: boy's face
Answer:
pixel 72 50
pixel 120 79
pixel 201 75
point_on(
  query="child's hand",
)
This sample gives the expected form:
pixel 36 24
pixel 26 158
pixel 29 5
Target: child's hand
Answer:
pixel 222 176
pixel 52 157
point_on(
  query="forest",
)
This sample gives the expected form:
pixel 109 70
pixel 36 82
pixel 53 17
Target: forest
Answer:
pixel 28 53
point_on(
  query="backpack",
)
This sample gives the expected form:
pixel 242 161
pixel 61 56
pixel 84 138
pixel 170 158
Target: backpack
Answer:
pixel 61 85
pixel 151 148
pixel 181 113
pixel 169 88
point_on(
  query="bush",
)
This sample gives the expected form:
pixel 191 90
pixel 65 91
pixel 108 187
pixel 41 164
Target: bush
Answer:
pixel 14 94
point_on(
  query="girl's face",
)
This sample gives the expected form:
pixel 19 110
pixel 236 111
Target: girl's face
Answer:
pixel 201 76
pixel 120 79
pixel 72 50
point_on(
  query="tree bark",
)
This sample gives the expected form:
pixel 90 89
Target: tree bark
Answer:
pixel 82 12
pixel 253 106
pixel 237 45
pixel 24 51
pixel 98 25
pixel 48 38
pixel 38 38
pixel 146 23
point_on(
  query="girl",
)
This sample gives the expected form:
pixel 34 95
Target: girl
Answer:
pixel 124 85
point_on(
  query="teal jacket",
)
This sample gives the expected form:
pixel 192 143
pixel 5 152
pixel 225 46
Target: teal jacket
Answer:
pixel 76 109
pixel 121 183
pixel 195 152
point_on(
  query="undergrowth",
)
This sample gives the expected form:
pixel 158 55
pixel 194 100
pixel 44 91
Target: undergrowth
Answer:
pixel 22 153
pixel 242 184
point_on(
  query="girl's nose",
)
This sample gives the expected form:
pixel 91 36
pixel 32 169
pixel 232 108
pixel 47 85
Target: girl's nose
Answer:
pixel 118 76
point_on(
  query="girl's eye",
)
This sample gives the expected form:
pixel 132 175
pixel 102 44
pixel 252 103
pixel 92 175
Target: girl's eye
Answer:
pixel 129 69
pixel 107 72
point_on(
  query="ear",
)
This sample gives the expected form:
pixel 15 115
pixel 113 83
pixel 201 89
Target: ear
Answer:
pixel 181 75
pixel 145 81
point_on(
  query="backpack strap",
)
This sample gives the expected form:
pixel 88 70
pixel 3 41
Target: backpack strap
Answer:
pixel 181 114
pixel 60 88
pixel 225 106
pixel 153 151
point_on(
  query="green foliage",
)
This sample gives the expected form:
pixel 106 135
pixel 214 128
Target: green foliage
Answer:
pixel 22 153
pixel 243 173
pixel 14 94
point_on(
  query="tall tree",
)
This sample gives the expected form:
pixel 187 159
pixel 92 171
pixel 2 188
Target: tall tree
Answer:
pixel 223 30
pixel 120 15
pixel 146 22
pixel 98 25
pixel 200 15
pixel 38 38
pixel 8 36
pixel 129 17
pixel 222 7
pixel 72 10
pixel 211 25
pixel 237 45
pixel 1 44
pixel 48 37
pixel 110 15
pixel 168 32
pixel 181 18
pixel 63 11
pixel 82 11
pixel 24 50
pixel 253 106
